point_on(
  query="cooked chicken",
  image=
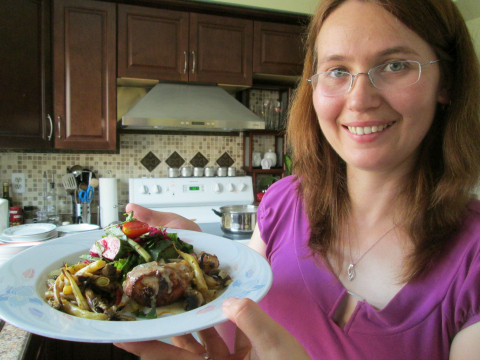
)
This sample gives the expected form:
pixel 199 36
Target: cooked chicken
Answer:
pixel 154 285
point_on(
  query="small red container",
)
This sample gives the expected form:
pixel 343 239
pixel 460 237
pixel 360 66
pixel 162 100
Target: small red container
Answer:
pixel 16 219
pixel 15 210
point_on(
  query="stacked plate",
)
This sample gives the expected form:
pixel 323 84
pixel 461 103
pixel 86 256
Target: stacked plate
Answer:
pixel 18 238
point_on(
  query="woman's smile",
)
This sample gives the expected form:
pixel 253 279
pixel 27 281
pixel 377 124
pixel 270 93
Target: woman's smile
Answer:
pixel 367 130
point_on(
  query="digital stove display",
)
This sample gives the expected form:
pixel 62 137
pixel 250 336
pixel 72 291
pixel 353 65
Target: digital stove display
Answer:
pixel 194 188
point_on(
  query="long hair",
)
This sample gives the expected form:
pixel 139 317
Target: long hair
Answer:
pixel 433 202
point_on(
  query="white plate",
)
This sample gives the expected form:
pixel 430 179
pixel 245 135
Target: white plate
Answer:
pixel 77 228
pixel 17 239
pixel 22 287
pixel 32 231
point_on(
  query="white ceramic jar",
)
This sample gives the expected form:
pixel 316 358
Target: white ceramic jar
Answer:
pixel 272 156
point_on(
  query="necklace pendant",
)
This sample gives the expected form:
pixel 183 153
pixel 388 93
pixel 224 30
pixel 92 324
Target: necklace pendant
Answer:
pixel 351 272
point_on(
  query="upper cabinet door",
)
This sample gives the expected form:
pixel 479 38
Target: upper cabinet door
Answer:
pixel 25 99
pixel 84 43
pixel 220 49
pixel 179 46
pixel 152 43
pixel 277 49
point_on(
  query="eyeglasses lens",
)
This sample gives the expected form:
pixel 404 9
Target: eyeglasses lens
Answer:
pixel 393 75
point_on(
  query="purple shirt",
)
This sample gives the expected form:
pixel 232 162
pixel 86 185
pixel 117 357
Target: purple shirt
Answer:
pixel 420 322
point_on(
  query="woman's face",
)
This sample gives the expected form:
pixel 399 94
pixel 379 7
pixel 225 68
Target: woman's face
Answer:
pixel 356 37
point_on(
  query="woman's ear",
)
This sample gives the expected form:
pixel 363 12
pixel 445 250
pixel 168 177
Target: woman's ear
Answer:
pixel 442 96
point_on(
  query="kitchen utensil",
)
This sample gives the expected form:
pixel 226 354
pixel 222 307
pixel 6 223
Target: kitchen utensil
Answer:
pixel 173 172
pixel 197 171
pixel 238 219
pixel 86 213
pixel 94 183
pixel 222 171
pixel 69 182
pixel 209 171
pixel 232 171
pixel 82 186
pixel 76 170
pixel 186 171
pixel 86 196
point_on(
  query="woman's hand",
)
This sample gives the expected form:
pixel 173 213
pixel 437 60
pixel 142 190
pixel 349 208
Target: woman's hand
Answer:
pixel 164 219
pixel 258 337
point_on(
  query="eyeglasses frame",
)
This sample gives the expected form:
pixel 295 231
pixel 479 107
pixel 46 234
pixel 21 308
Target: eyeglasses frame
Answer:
pixel 353 76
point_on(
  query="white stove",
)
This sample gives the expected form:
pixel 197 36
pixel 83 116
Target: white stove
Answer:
pixel 194 197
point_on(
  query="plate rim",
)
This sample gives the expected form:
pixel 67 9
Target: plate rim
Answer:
pixel 62 227
pixel 52 226
pixel 155 331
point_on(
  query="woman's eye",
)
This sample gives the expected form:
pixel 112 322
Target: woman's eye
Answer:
pixel 337 73
pixel 394 66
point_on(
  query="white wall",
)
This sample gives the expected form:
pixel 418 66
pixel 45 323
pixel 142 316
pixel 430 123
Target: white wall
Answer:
pixel 474 28
pixel 293 6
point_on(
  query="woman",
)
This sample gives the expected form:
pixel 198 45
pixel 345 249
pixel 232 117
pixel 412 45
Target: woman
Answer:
pixel 373 243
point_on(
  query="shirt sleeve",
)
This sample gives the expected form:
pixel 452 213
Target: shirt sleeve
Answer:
pixel 467 307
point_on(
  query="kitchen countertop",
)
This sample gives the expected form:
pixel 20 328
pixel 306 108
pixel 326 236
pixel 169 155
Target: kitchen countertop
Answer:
pixel 13 342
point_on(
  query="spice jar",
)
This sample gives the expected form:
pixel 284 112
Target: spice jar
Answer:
pixel 16 216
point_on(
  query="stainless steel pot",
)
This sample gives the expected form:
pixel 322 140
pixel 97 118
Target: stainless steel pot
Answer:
pixel 238 219
pixel 173 172
pixel 209 171
pixel 186 171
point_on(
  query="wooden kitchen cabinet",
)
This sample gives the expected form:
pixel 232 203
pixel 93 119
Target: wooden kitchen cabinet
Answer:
pixel 277 49
pixel 84 74
pixel 182 46
pixel 24 75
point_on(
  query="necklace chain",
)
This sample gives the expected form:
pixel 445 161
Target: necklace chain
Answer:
pixel 351 268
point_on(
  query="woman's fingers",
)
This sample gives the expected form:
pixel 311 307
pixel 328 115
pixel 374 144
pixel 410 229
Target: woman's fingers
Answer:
pixel 157 350
pixel 157 218
pixel 268 339
pixel 188 342
pixel 213 343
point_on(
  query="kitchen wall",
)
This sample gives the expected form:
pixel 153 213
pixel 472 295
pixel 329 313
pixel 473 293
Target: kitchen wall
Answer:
pixel 297 6
pixel 133 149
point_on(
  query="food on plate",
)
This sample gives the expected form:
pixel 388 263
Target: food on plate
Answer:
pixel 136 269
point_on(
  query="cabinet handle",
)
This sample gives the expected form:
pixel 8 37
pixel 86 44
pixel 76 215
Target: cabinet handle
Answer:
pixel 186 62
pixel 51 127
pixel 193 67
pixel 59 127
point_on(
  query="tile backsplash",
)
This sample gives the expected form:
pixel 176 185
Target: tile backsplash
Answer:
pixel 128 163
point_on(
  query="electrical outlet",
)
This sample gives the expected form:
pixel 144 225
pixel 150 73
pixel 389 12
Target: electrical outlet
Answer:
pixel 18 183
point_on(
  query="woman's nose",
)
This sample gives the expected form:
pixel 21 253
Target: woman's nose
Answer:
pixel 362 94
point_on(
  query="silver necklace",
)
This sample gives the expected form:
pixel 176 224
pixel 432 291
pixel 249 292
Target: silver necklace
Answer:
pixel 351 268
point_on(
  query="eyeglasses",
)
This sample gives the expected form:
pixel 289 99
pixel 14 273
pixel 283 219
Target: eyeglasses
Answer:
pixel 391 75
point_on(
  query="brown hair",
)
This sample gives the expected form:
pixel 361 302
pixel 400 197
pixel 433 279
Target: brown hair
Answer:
pixel 435 198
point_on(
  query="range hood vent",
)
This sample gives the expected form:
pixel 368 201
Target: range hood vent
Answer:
pixel 190 107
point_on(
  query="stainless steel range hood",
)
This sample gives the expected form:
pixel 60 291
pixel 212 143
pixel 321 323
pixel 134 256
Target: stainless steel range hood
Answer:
pixel 192 107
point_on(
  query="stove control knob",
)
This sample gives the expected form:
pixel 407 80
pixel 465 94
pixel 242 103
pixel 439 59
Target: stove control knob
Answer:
pixel 217 188
pixel 242 187
pixel 230 187
pixel 143 189
pixel 157 189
